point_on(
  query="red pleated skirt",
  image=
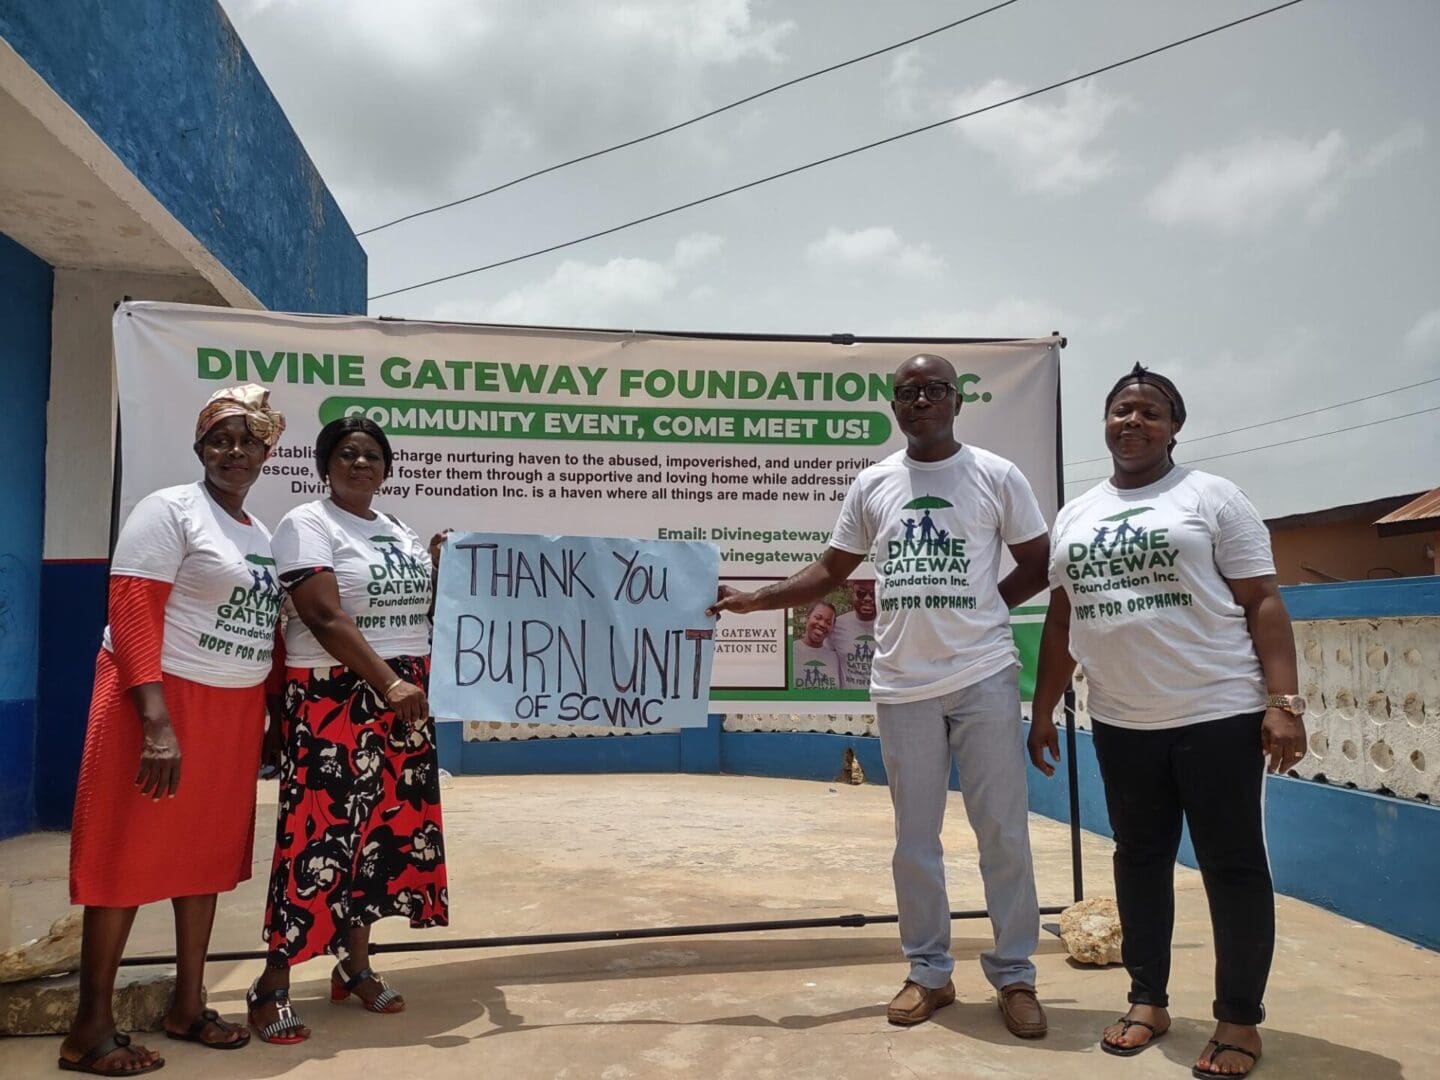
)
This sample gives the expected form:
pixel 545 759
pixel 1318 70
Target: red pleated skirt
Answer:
pixel 127 849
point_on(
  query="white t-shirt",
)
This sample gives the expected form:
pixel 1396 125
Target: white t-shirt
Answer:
pixel 814 668
pixel 220 616
pixel 382 571
pixel 854 642
pixel 938 530
pixel 1153 623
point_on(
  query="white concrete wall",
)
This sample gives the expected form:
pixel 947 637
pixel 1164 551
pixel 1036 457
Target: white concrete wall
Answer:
pixel 1374 694
pixel 80 419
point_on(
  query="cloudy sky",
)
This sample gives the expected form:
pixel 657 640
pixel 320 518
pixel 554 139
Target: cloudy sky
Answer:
pixel 1254 214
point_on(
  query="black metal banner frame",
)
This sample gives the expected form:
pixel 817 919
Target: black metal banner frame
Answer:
pixel 704 929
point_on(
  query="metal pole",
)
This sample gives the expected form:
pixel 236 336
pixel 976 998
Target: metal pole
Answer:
pixel 1072 773
pixel 592 935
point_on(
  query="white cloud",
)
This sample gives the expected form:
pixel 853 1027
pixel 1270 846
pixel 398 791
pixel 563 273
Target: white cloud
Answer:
pixel 877 247
pixel 1248 184
pixel 1251 183
pixel 619 292
pixel 1012 316
pixel 708 31
pixel 1424 336
pixel 696 248
pixel 904 81
pixel 1047 147
pixel 404 105
pixel 1410 137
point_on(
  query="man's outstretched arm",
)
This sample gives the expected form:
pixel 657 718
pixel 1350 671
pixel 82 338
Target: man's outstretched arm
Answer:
pixel 827 572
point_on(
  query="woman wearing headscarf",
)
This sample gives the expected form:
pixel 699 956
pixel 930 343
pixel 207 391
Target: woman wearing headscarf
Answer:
pixel 1163 589
pixel 165 805
pixel 359 835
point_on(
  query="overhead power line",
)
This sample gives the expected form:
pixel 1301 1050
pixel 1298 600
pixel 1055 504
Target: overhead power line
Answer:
pixel 1284 442
pixel 1278 419
pixel 686 123
pixel 836 157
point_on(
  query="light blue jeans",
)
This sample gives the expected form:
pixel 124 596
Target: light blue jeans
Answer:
pixel 979 727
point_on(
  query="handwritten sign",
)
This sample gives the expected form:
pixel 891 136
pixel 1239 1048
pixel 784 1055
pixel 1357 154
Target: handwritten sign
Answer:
pixel 574 630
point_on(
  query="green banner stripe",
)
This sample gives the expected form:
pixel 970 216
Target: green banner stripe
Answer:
pixel 614 423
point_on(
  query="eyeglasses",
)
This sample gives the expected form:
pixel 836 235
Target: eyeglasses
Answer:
pixel 933 391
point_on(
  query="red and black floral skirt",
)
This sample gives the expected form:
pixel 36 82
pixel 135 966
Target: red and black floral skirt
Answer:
pixel 359 835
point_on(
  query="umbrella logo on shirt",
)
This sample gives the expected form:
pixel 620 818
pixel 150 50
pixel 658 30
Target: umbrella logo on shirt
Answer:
pixel 395 558
pixel 814 674
pixel 930 534
pixel 1123 534
pixel 263 592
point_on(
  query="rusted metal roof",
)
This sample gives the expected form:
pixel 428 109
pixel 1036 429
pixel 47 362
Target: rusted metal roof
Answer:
pixel 1418 515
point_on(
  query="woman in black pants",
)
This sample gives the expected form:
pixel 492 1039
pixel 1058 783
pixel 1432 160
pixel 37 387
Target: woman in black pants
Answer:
pixel 1163 590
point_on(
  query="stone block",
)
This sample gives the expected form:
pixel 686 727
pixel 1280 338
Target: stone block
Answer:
pixel 56 953
pixel 1091 931
pixel 47 1006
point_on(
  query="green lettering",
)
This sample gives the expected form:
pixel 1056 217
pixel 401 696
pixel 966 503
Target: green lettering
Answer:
pixel 212 363
pixel 395 371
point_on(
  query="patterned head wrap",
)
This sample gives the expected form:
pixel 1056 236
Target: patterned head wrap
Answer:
pixel 247 400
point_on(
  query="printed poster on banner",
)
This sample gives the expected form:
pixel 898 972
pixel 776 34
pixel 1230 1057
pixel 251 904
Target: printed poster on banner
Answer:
pixel 746 443
pixel 574 630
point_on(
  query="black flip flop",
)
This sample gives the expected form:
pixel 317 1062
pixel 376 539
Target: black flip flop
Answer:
pixel 1220 1048
pixel 1131 1051
pixel 206 1017
pixel 115 1041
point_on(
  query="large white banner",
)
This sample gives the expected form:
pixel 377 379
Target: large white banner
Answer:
pixel 746 443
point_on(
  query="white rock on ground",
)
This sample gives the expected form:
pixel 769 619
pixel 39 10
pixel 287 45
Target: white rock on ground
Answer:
pixel 1091 931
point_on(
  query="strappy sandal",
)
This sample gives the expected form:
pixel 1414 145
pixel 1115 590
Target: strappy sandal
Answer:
pixel 115 1041
pixel 342 986
pixel 282 1030
pixel 1130 1051
pixel 1221 1048
pixel 207 1017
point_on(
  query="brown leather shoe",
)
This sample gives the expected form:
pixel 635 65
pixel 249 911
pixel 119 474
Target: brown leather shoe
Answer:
pixel 1021 1008
pixel 915 1004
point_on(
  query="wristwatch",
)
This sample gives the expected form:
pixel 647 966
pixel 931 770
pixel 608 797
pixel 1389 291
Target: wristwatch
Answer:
pixel 1294 704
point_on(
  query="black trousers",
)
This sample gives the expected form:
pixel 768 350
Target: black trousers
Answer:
pixel 1211 775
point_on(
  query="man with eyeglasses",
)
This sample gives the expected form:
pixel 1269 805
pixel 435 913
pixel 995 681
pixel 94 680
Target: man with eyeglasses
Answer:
pixel 938 517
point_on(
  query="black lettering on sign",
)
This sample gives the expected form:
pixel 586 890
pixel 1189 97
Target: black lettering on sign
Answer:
pixel 512 574
pixel 637 583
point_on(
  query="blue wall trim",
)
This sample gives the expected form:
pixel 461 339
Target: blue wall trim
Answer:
pixel 1391 598
pixel 71 622
pixel 27 287
pixel 169 86
pixel 607 754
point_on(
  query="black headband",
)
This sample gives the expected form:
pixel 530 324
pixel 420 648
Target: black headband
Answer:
pixel 1145 377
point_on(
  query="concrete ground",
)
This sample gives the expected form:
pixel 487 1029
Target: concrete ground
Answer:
pixel 545 854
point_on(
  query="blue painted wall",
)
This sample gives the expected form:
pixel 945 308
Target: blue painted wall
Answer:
pixel 73 598
pixel 26 288
pixel 169 87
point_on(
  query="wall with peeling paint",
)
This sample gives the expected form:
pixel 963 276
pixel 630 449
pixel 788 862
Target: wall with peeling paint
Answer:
pixel 170 88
